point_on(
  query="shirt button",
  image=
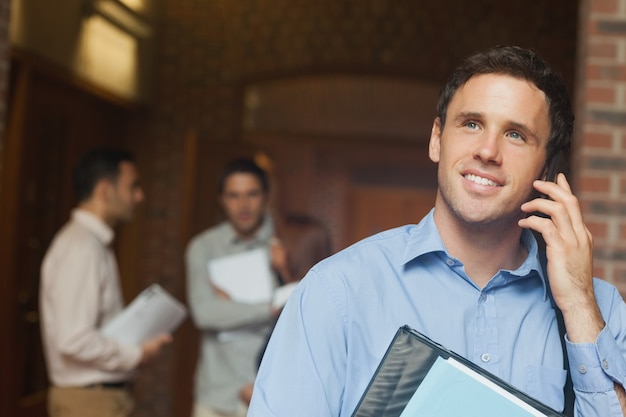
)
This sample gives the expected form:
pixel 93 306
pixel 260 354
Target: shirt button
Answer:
pixel 485 357
pixel 582 369
pixel 605 364
pixel 450 262
pixel 483 297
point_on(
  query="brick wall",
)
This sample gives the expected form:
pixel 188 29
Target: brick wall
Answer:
pixel 601 127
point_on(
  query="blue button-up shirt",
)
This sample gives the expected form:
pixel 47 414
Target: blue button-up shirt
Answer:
pixel 339 322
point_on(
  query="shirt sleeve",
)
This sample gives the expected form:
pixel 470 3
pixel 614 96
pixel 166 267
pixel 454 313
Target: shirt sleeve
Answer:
pixel 597 367
pixel 303 371
pixel 73 299
pixel 210 312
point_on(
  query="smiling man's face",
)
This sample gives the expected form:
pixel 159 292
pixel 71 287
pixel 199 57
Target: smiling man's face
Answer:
pixel 491 149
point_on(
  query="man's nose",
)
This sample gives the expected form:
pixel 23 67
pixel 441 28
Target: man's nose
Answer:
pixel 488 149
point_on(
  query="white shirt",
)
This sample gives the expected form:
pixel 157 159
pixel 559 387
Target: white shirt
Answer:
pixel 79 293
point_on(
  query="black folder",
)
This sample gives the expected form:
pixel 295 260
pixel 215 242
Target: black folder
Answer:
pixel 405 365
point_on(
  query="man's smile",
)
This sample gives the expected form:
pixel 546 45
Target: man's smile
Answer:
pixel 480 180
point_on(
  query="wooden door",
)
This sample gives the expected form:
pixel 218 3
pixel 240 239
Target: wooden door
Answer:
pixel 50 124
pixel 374 209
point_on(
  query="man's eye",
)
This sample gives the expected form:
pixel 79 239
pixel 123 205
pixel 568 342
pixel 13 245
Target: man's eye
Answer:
pixel 516 135
pixel 471 125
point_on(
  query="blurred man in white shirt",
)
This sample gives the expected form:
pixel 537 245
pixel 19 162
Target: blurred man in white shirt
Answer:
pixel 91 374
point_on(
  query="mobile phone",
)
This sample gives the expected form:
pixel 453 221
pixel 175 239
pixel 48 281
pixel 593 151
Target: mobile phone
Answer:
pixel 558 164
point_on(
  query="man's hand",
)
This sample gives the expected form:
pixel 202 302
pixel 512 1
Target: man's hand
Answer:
pixel 151 348
pixel 245 393
pixel 569 249
pixel 220 292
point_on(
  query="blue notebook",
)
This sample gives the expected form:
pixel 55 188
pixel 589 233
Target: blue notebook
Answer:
pixel 418 377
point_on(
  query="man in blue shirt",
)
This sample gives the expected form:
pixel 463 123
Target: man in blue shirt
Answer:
pixel 468 275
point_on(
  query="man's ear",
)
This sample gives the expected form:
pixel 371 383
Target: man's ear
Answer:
pixel 103 190
pixel 434 146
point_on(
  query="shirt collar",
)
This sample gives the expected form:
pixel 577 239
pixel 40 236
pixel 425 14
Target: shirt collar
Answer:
pixel 94 224
pixel 425 238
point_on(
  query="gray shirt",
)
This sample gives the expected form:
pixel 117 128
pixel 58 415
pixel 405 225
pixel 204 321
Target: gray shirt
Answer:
pixel 231 333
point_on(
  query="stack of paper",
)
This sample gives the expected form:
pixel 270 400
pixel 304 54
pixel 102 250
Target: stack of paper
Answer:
pixel 153 312
pixel 246 277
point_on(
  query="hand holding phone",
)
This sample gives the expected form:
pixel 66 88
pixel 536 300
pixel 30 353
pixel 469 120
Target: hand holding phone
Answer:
pixel 569 250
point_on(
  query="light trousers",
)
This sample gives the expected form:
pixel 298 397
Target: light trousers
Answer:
pixel 89 402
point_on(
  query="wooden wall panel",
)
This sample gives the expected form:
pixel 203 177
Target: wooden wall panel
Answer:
pixel 52 123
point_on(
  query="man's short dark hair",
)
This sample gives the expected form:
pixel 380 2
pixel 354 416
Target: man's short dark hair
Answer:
pixel 95 165
pixel 244 166
pixel 526 65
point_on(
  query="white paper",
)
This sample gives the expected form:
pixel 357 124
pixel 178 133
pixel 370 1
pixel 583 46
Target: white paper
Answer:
pixel 153 312
pixel 246 277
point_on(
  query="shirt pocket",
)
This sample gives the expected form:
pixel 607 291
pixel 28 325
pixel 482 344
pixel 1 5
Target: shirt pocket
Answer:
pixel 546 384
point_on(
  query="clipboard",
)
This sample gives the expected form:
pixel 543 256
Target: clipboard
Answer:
pixel 408 363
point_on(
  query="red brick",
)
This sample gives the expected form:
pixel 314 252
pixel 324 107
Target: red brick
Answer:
pixel 601 95
pixel 622 233
pixel 605 49
pixel 594 184
pixel 598 229
pixel 619 275
pixel 598 271
pixel 604 6
pixel 606 72
pixel 622 186
pixel 598 140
